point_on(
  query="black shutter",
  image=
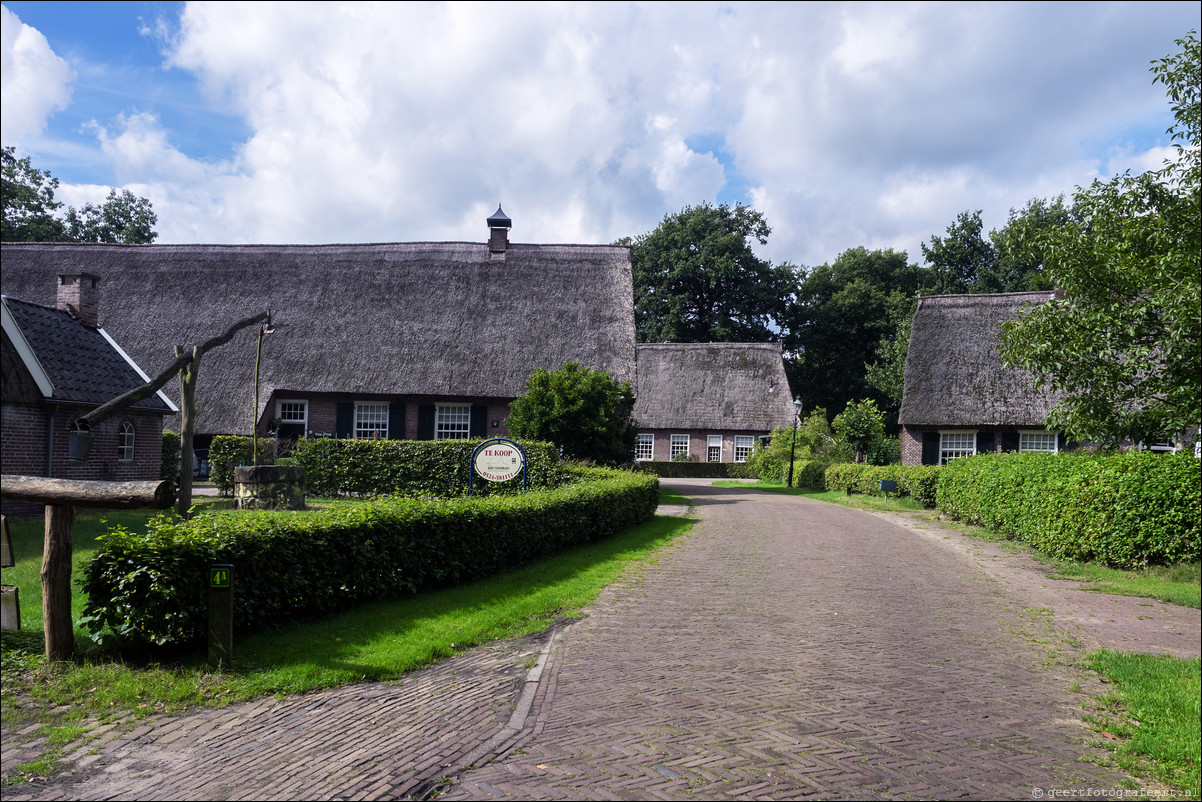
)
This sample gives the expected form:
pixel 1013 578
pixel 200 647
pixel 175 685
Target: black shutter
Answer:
pixel 985 443
pixel 1009 441
pixel 344 419
pixel 930 448
pixel 425 421
pixel 396 421
pixel 1063 444
pixel 479 424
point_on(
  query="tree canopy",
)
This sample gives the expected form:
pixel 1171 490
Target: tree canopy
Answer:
pixel 1122 345
pixel 585 412
pixel 696 278
pixel 31 213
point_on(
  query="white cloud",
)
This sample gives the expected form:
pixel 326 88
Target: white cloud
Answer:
pixel 853 124
pixel 35 82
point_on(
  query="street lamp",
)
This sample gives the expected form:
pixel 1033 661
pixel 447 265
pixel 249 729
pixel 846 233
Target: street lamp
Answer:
pixel 793 448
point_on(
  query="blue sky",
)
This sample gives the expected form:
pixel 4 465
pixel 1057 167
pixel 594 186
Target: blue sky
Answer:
pixel 846 124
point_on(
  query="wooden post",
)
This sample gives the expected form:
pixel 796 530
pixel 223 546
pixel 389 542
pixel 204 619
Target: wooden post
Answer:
pixel 56 583
pixel 187 413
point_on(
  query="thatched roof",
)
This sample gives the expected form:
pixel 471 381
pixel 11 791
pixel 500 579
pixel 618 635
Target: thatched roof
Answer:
pixel 954 373
pixel 731 386
pixel 438 319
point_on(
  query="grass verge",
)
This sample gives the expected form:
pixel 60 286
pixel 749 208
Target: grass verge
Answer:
pixel 377 641
pixel 1150 721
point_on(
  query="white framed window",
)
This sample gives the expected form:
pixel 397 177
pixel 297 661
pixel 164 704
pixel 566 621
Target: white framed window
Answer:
pixel 453 422
pixel 371 420
pixel 125 442
pixel 679 445
pixel 644 447
pixel 295 412
pixel 743 447
pixel 953 445
pixel 1038 440
pixel 713 448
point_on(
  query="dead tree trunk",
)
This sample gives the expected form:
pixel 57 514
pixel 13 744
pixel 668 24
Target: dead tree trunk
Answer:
pixel 187 405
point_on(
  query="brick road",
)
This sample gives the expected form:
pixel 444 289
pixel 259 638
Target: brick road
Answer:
pixel 784 649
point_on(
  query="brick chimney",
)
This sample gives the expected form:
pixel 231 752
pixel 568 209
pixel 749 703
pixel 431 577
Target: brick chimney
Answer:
pixel 498 237
pixel 79 296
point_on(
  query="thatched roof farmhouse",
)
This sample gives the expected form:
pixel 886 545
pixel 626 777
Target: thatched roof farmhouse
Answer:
pixel 709 400
pixel 392 340
pixel 958 399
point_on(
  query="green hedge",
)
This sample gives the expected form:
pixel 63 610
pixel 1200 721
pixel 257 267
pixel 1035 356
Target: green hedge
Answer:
pixel 919 482
pixel 150 588
pixel 696 470
pixel 381 467
pixel 1125 510
pixel 169 465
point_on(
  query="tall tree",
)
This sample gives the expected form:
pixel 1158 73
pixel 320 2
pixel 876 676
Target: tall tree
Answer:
pixel 1021 269
pixel 31 212
pixel 1122 345
pixel 27 195
pixel 123 218
pixel 842 313
pixel 696 278
pixel 960 260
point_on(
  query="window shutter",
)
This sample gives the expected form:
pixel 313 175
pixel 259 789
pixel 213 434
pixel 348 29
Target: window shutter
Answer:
pixel 1062 443
pixel 425 421
pixel 1009 441
pixel 930 448
pixel 985 442
pixel 344 419
pixel 396 421
pixel 479 424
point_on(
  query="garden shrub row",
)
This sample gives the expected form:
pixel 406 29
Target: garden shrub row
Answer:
pixel 1126 510
pixel 696 470
pixel 378 467
pixel 150 588
pixel 919 482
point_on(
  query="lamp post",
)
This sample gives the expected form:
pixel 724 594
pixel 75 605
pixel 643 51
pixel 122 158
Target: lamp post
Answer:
pixel 793 447
pixel 264 329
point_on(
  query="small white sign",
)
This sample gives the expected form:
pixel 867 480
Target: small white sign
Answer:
pixel 498 462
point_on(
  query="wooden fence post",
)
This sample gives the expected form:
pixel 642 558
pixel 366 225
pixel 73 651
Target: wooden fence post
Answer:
pixel 56 583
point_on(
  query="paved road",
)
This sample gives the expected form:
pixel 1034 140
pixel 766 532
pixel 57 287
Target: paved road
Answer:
pixel 784 649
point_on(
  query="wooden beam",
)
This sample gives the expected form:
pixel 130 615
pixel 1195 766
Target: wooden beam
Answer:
pixel 77 493
pixel 56 583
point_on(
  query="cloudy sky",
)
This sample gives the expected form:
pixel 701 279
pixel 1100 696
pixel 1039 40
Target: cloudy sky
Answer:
pixel 846 124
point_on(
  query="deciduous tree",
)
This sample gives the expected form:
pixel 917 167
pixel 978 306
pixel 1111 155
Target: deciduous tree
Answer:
pixel 1122 345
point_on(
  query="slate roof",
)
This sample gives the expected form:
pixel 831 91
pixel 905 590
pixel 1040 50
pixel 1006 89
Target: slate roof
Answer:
pixel 435 319
pixel 81 364
pixel 954 374
pixel 730 386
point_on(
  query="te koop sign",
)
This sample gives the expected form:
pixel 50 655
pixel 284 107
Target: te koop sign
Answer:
pixel 498 460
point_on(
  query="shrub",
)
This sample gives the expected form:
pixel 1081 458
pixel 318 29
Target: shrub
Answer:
pixel 150 588
pixel 916 481
pixel 169 467
pixel 1125 510
pixel 696 470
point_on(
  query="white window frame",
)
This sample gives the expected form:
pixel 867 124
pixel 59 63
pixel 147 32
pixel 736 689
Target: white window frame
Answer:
pixel 367 420
pixel 1035 440
pixel 127 438
pixel 743 446
pixel 711 442
pixel 453 422
pixel 679 444
pixel 303 405
pixel 644 447
pixel 951 446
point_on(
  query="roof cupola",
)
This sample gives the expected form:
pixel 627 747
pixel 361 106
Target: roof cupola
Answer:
pixel 498 237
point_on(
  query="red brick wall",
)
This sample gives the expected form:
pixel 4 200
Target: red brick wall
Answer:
pixel 911 446
pixel 698 442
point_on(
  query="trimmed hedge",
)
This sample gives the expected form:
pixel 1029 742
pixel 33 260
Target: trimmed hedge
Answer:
pixel 919 482
pixel 1125 510
pixel 169 465
pixel 381 467
pixel 696 470
pixel 150 588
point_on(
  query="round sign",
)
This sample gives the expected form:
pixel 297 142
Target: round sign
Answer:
pixel 498 461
